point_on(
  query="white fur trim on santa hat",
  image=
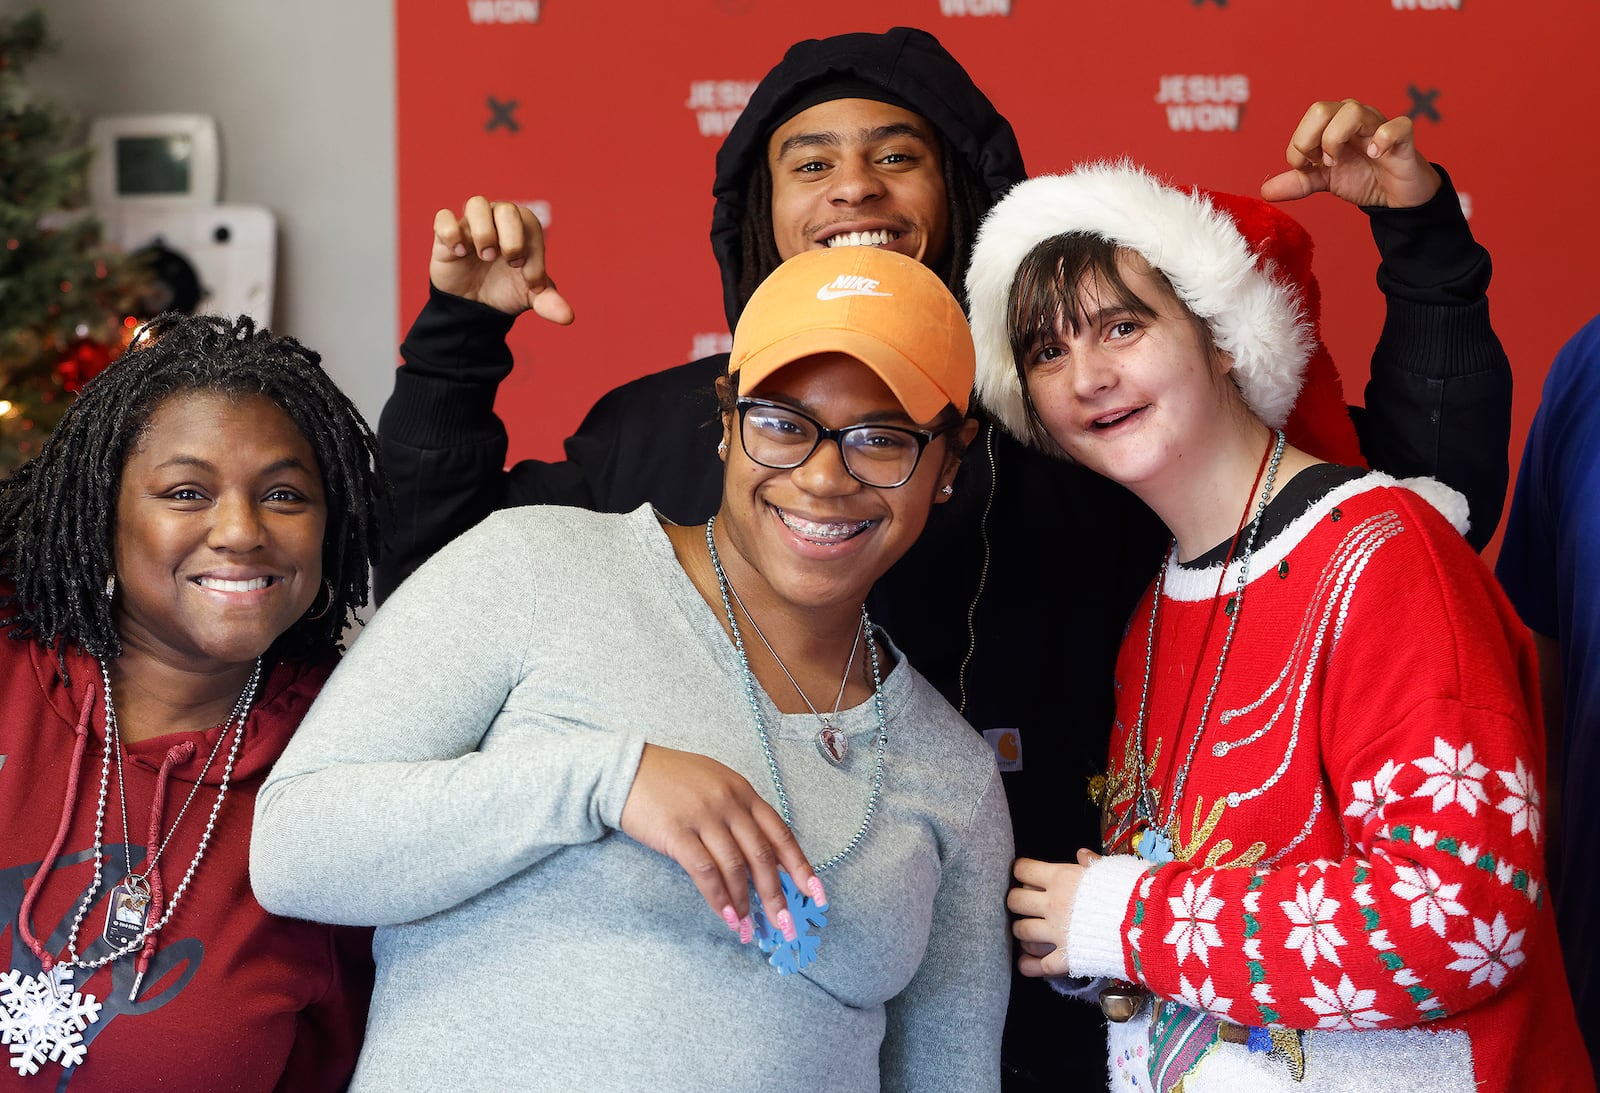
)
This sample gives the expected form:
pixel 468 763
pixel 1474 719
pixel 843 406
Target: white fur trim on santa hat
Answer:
pixel 1254 317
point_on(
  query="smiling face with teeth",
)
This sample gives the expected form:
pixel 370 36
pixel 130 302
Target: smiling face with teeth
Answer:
pixel 219 532
pixel 855 172
pixel 812 536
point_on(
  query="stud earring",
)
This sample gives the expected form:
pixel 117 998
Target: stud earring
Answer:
pixel 722 448
pixel 111 585
pixel 948 490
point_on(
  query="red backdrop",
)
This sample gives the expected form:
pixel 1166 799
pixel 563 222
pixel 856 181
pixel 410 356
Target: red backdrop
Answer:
pixel 605 116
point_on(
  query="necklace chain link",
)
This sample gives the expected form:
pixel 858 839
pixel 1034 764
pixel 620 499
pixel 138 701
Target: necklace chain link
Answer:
pixel 1146 801
pixel 236 718
pixel 784 808
pixel 838 699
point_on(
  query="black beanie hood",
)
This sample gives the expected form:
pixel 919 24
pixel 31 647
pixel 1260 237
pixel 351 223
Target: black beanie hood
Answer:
pixel 911 68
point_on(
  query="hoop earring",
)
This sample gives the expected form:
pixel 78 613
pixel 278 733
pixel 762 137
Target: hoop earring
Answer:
pixel 328 586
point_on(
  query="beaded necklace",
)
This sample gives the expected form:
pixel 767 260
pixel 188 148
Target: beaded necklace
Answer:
pixel 761 728
pixel 1156 845
pixel 59 1013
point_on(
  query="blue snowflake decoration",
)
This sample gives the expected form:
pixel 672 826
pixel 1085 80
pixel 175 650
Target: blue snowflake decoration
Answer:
pixel 791 956
pixel 1154 846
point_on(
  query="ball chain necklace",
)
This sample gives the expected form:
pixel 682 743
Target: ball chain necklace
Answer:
pixel 784 808
pixel 54 1013
pixel 1156 844
pixel 1121 1001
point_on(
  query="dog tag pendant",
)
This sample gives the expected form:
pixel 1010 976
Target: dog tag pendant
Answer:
pixel 127 914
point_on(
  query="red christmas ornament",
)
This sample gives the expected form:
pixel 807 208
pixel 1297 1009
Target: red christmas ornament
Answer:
pixel 85 361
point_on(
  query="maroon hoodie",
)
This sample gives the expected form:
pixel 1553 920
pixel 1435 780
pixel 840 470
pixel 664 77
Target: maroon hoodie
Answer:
pixel 233 998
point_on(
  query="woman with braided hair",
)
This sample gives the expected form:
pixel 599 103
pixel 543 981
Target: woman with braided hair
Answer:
pixel 176 568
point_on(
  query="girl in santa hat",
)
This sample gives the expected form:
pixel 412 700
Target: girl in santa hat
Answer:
pixel 1321 813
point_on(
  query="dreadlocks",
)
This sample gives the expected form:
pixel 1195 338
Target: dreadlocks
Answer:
pixel 58 511
pixel 758 250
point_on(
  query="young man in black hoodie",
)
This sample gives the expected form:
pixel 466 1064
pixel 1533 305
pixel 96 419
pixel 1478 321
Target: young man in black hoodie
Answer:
pixel 883 139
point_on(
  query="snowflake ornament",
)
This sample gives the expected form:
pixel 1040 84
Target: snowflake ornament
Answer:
pixel 42 1019
pixel 797 955
pixel 1153 845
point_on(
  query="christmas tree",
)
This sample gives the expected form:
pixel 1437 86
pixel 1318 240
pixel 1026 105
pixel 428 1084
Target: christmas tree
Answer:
pixel 65 301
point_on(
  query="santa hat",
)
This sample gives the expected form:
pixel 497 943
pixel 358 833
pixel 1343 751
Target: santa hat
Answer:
pixel 1241 265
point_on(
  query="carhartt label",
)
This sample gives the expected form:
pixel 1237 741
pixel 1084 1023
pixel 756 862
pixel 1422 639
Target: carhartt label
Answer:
pixel 1007 745
pixel 850 284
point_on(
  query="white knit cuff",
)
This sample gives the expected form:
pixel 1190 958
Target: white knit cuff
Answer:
pixel 1094 937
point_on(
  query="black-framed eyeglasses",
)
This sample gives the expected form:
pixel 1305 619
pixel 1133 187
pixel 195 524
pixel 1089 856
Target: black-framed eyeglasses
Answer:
pixel 781 437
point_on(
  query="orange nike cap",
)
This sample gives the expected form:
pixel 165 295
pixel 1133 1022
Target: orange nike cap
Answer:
pixel 889 312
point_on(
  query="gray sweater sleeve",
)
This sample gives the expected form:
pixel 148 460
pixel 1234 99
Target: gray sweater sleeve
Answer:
pixel 943 1030
pixel 385 807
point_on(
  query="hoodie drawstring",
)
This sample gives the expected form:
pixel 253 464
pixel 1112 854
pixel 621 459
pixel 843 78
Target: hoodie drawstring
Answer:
pixel 179 753
pixel 36 884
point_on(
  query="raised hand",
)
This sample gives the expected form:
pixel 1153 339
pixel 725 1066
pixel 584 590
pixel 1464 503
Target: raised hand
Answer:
pixel 1354 152
pixel 493 252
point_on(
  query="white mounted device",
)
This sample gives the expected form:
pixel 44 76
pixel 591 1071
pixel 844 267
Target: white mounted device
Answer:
pixel 154 182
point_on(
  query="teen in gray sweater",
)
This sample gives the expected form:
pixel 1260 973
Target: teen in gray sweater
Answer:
pixel 566 724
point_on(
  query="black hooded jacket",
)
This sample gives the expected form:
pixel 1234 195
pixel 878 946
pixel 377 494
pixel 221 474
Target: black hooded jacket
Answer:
pixel 442 442
pixel 1015 598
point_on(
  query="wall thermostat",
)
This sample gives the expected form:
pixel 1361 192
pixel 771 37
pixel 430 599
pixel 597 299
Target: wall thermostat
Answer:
pixel 155 160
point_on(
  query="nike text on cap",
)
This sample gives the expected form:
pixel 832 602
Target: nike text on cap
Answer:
pixel 889 312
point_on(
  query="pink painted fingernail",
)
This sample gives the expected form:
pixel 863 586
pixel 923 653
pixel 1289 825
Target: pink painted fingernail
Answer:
pixel 817 892
pixel 731 917
pixel 747 930
pixel 786 924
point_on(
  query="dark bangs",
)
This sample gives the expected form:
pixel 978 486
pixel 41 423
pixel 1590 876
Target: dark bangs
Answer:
pixel 1059 283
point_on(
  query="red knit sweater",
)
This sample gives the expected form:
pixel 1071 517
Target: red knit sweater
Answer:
pixel 235 998
pixel 1357 841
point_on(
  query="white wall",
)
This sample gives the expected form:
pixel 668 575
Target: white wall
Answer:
pixel 303 93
